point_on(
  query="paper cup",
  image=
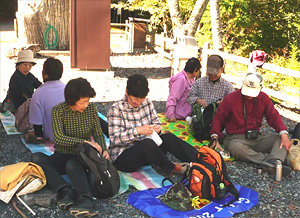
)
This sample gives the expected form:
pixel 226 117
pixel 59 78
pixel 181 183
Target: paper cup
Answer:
pixel 156 138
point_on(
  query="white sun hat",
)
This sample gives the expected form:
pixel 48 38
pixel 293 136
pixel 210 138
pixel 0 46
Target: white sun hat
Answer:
pixel 25 56
pixel 252 84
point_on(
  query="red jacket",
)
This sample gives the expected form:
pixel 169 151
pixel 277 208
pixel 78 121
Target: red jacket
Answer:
pixel 230 114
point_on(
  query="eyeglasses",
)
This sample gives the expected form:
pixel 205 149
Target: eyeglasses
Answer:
pixel 261 79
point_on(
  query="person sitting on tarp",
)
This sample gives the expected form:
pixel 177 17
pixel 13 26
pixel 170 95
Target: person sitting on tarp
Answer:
pixel 211 88
pixel 73 121
pixel 130 121
pixel 45 98
pixel 177 108
pixel 242 112
pixel 22 83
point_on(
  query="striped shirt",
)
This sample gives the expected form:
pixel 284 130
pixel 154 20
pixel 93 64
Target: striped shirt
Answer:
pixel 72 127
pixel 123 120
pixel 210 91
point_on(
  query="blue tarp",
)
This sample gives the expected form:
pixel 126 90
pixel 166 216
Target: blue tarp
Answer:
pixel 147 202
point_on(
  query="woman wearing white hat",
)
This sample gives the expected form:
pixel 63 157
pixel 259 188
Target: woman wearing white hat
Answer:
pixel 22 83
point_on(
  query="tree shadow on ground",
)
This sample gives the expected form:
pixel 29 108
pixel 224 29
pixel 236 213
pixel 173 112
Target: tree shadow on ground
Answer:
pixel 150 73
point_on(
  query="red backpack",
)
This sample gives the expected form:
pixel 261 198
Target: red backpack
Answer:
pixel 208 178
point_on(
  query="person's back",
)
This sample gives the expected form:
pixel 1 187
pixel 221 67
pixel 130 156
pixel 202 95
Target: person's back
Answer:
pixel 46 97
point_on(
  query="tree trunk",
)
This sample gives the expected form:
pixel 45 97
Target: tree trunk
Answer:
pixel 215 25
pixel 177 21
pixel 195 18
pixel 46 24
pixel 33 30
pixel 190 28
pixel 57 14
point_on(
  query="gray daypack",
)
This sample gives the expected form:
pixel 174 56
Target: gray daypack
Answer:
pixel 22 117
pixel 103 177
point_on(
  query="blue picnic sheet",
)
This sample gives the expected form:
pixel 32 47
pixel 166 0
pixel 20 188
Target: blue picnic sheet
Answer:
pixel 148 202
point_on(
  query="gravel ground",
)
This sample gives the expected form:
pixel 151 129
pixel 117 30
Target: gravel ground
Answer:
pixel 275 199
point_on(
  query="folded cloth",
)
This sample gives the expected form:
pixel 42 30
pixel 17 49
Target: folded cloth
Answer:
pixel 23 177
pixel 145 178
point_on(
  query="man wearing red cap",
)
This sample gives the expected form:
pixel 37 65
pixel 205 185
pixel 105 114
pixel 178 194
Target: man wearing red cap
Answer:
pixel 241 113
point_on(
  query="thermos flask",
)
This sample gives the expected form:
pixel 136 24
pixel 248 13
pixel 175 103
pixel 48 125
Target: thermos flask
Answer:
pixel 278 173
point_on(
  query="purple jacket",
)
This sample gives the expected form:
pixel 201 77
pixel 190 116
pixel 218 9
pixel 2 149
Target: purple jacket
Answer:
pixel 177 106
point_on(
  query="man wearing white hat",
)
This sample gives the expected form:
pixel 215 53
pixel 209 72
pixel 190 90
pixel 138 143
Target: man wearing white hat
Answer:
pixel 22 83
pixel 241 113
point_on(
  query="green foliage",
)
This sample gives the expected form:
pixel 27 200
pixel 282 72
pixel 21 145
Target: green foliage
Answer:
pixel 158 10
pixel 269 25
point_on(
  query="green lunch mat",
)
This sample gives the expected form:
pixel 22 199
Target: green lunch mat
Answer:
pixel 181 129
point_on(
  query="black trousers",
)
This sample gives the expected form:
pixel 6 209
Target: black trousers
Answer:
pixel 104 127
pixel 146 152
pixel 59 164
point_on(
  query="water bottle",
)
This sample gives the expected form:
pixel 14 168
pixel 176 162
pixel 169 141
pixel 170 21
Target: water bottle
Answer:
pixel 278 172
pixel 221 191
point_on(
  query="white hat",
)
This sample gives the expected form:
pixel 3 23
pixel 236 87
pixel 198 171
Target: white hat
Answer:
pixel 252 84
pixel 25 56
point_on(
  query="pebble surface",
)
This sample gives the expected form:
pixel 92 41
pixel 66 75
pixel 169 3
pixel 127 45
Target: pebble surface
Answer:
pixel 275 199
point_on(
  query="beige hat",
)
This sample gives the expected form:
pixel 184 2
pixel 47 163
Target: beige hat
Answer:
pixel 252 84
pixel 25 56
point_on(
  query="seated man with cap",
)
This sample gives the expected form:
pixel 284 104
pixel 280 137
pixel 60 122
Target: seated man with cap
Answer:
pixel 242 112
pixel 211 88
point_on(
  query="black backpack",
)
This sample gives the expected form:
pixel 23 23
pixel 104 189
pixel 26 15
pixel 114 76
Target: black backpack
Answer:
pixel 201 121
pixel 102 175
pixel 295 132
pixel 208 177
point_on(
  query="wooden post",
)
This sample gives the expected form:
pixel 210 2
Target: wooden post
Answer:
pixel 204 59
pixel 164 44
pixel 131 34
pixel 152 40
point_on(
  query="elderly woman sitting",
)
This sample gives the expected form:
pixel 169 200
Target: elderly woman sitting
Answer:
pixel 22 83
pixel 73 121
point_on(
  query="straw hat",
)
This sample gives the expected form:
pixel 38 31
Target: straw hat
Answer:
pixel 25 56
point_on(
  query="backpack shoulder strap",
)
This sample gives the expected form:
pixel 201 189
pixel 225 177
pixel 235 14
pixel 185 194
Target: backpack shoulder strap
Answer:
pixel 197 110
pixel 234 192
pixel 91 165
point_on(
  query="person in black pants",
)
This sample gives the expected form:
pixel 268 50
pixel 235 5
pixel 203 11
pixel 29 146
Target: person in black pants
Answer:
pixel 73 121
pixel 131 121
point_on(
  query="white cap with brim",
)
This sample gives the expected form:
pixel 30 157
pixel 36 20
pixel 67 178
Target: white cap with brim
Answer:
pixel 252 84
pixel 25 56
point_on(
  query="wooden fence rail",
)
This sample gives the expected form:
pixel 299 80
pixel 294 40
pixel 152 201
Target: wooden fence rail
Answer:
pixel 281 70
pixel 272 67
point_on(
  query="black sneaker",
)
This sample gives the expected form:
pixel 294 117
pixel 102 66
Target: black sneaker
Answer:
pixel 84 207
pixel 66 199
pixel 270 167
